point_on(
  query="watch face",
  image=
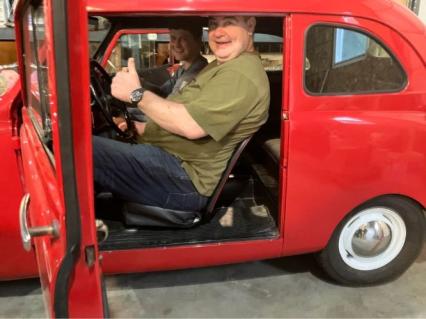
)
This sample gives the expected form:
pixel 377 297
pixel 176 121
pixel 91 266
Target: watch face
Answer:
pixel 136 96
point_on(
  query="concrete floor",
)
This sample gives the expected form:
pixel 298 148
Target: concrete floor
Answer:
pixel 289 287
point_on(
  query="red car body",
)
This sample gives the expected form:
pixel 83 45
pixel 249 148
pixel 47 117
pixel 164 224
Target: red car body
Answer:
pixel 348 148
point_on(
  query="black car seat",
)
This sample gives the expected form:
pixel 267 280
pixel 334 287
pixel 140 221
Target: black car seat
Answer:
pixel 152 216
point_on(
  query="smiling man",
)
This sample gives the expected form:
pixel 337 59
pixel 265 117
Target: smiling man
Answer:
pixel 185 146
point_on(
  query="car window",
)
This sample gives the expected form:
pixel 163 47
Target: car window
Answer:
pixel 36 71
pixel 98 30
pixel 152 50
pixel 6 14
pixel 346 61
pixel 270 48
pixel 149 50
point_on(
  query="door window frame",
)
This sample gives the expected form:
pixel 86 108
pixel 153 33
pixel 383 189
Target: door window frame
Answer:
pixel 38 57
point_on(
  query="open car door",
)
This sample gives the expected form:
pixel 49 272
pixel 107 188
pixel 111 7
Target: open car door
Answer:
pixel 56 213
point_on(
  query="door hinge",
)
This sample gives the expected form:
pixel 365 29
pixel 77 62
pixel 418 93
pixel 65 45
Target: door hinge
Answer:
pixel 90 255
pixel 285 116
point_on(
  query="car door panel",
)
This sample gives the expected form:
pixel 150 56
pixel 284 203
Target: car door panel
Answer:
pixel 55 174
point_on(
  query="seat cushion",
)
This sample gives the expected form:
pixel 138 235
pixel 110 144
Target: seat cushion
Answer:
pixel 136 214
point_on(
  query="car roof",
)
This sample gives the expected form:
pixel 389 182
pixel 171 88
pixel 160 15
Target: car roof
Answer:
pixel 389 12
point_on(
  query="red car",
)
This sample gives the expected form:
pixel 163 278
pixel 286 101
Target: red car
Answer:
pixel 339 169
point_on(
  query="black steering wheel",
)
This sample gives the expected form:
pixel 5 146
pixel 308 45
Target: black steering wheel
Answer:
pixel 105 105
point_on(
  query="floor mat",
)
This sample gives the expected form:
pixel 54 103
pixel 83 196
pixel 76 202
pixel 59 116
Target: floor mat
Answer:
pixel 243 219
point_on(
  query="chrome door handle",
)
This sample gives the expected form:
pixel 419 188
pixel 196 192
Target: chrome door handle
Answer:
pixel 28 233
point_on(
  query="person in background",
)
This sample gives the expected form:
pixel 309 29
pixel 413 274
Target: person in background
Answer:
pixel 185 46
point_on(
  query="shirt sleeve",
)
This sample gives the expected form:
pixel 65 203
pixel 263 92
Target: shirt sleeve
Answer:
pixel 222 103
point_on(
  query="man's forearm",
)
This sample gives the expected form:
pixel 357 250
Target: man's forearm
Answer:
pixel 171 116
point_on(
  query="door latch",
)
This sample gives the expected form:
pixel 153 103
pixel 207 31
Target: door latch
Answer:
pixel 28 233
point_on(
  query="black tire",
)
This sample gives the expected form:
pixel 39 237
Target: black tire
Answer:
pixel 349 267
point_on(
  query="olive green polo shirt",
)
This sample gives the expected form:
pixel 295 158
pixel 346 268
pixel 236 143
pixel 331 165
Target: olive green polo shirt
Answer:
pixel 230 102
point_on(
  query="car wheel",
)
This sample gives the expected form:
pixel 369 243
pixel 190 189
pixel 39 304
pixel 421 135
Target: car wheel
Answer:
pixel 375 243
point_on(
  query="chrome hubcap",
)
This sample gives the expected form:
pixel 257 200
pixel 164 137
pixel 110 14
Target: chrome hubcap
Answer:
pixel 372 238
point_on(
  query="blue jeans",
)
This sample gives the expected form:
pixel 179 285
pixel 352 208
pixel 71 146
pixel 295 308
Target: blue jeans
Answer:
pixel 144 174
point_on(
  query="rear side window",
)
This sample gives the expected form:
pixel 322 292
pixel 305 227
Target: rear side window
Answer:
pixel 345 61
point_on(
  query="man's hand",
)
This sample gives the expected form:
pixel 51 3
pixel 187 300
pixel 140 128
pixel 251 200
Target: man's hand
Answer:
pixel 125 82
pixel 122 125
pixel 120 122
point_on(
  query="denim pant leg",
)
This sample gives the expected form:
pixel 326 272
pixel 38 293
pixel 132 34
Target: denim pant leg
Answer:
pixel 144 174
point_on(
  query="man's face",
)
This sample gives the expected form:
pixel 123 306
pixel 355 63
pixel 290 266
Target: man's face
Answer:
pixel 183 45
pixel 230 36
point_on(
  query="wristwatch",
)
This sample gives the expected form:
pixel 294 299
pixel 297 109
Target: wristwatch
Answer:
pixel 136 96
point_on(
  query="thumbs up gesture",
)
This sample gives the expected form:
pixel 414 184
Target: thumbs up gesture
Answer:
pixel 125 82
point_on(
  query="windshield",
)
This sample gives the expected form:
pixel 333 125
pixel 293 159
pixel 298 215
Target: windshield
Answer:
pixel 98 30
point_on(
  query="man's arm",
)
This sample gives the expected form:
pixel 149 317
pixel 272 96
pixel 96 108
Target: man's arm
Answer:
pixel 170 115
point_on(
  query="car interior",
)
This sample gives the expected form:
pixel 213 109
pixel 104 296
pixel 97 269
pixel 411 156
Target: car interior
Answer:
pixel 244 205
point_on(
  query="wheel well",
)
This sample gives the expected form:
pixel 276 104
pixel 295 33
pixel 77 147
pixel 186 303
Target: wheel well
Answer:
pixel 374 199
pixel 387 196
pixel 403 197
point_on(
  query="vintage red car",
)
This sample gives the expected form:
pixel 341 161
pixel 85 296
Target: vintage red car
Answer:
pixel 339 169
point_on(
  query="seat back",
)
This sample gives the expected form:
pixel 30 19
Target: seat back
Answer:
pixel 208 214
